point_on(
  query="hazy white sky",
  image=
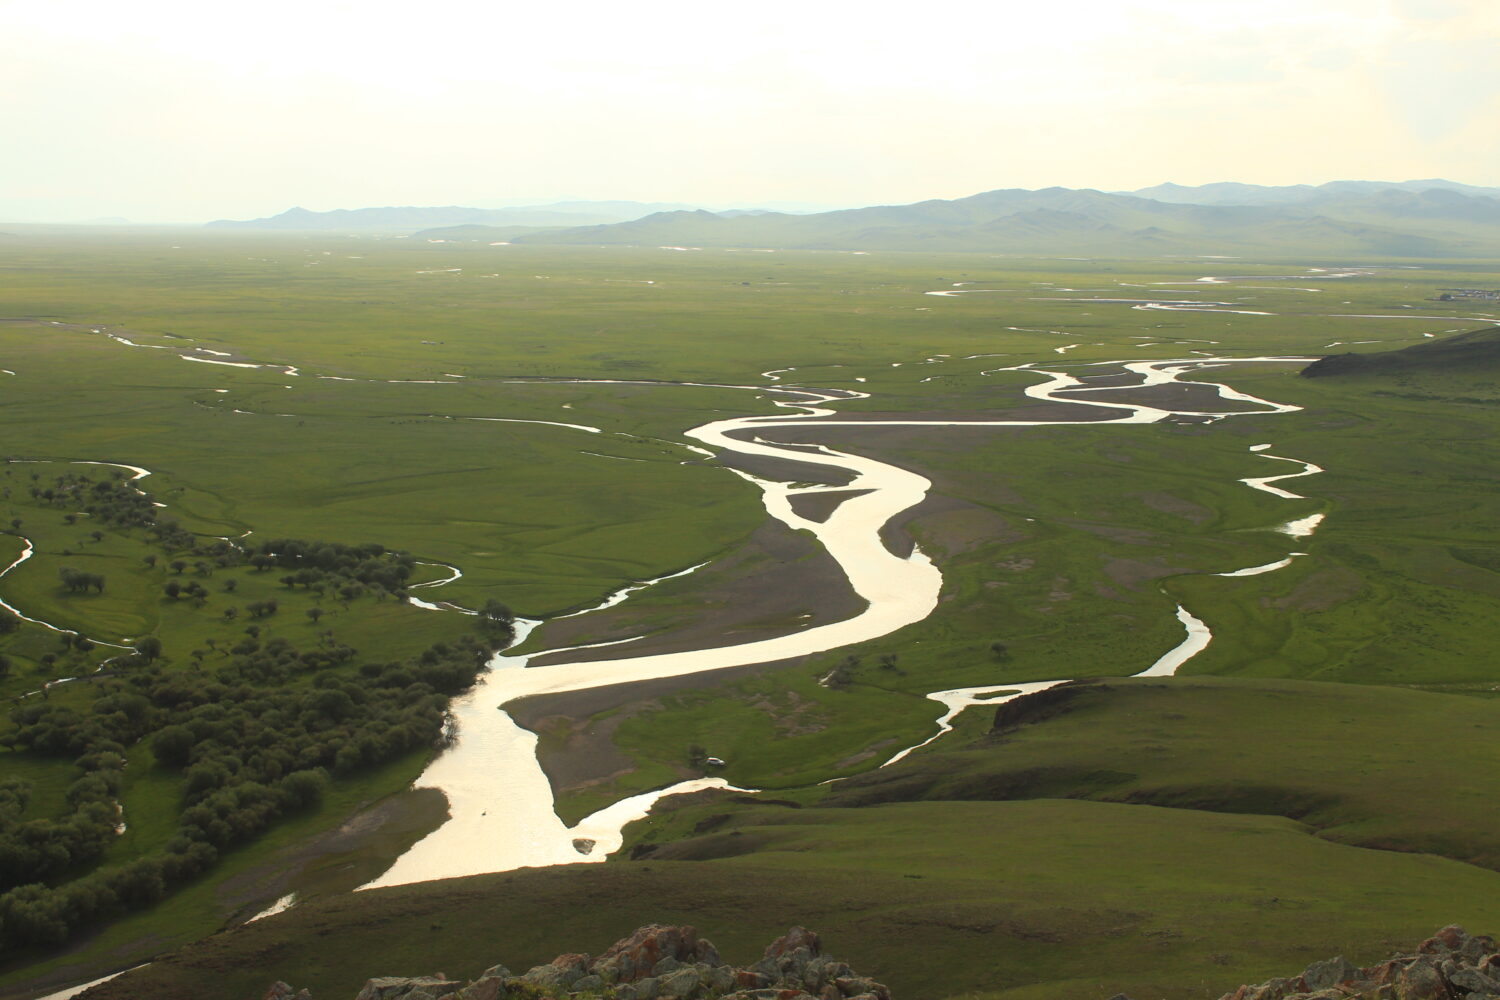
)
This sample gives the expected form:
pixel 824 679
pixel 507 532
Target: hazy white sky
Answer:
pixel 186 110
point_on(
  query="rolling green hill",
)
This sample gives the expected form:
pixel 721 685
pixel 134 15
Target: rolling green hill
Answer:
pixel 1069 855
pixel 1475 350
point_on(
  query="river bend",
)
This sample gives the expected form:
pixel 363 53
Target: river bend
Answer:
pixel 501 807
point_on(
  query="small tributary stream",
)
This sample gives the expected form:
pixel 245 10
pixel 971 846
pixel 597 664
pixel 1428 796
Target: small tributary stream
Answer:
pixel 501 805
pixel 500 802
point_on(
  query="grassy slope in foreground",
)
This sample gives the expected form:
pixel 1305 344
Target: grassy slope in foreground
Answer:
pixel 1038 900
pixel 1015 899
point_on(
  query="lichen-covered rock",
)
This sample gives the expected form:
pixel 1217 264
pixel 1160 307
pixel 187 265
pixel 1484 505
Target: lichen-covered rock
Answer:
pixel 402 987
pixel 654 950
pixel 681 984
pixel 1475 981
pixel 719 978
pixel 1450 965
pixel 787 959
pixel 1331 972
pixel 558 975
pixel 856 986
pixel 486 987
pixel 1421 981
pixel 657 962
pixel 284 991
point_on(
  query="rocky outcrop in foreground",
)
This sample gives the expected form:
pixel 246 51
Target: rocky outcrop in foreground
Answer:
pixel 1450 965
pixel 655 963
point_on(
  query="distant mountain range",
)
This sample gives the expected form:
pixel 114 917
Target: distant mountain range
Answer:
pixel 1433 218
pixel 563 213
pixel 1378 220
pixel 1230 193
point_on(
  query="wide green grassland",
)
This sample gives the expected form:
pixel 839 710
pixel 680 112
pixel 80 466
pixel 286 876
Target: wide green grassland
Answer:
pixel 1320 779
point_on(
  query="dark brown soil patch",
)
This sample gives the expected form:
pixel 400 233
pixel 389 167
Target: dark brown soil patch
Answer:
pixel 895 533
pixel 338 860
pixel 1193 396
pixel 783 470
pixel 1110 381
pixel 779 581
pixel 820 506
pixel 1043 411
pixel 578 751
pixel 964 528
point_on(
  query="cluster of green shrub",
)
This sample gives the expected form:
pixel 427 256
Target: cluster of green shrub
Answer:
pixel 349 569
pixel 114 501
pixel 33 848
pixel 74 580
pixel 252 746
pixel 256 726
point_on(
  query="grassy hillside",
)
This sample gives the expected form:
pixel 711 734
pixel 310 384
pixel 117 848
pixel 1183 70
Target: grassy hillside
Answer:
pixel 1466 353
pixel 1066 546
pixel 1029 896
pixel 1339 759
pixel 1069 546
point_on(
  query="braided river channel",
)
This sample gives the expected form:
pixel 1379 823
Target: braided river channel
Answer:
pixel 500 802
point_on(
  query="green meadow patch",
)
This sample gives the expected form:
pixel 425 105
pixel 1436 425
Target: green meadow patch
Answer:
pixel 420 396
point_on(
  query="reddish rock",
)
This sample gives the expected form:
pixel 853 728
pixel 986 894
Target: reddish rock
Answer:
pixel 657 962
pixel 485 988
pixel 1386 972
pixel 560 973
pixel 1421 981
pixel 797 937
pixel 1450 938
pixel 632 958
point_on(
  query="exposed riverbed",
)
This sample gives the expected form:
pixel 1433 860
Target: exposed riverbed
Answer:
pixel 501 802
pixel 501 805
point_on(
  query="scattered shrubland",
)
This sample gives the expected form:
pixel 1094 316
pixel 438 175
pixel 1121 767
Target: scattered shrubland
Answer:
pixel 254 726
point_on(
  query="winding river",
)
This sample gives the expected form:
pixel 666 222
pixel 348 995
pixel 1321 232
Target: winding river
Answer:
pixel 501 805
pixel 136 474
pixel 500 802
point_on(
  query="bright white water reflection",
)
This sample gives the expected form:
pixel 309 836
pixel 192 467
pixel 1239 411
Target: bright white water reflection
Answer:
pixel 499 799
